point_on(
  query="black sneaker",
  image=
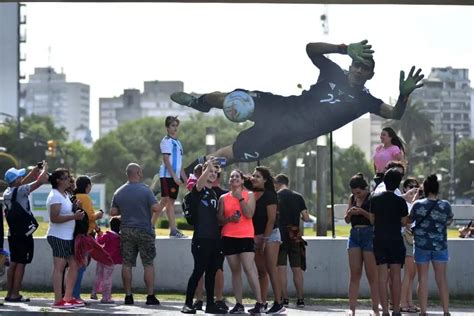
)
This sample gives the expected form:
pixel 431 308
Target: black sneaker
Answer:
pixel 276 308
pixel 187 99
pixel 238 309
pixel 152 300
pixel 286 302
pixel 128 300
pixel 300 303
pixel 188 309
pixel 222 304
pixel 214 309
pixel 198 305
pixel 258 309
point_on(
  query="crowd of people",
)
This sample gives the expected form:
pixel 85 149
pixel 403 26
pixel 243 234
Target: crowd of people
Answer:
pixel 397 225
pixel 254 226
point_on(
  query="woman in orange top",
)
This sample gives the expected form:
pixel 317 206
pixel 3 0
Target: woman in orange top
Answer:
pixel 236 209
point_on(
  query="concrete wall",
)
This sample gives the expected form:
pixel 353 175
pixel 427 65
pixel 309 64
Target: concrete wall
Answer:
pixel 327 273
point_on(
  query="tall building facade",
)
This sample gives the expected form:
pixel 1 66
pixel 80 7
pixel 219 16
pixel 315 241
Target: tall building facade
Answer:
pixel 47 93
pixel 12 34
pixel 133 104
pixel 446 96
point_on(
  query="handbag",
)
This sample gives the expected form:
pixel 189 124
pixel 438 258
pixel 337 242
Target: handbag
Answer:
pixel 408 236
pixel 20 221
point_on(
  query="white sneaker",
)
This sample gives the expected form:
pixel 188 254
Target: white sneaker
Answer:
pixel 177 234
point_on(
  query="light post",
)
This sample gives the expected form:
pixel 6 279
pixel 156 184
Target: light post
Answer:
pixel 321 186
pixel 210 140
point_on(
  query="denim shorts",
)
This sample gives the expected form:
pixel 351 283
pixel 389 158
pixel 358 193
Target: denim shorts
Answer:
pixel 361 237
pixel 425 256
pixel 274 237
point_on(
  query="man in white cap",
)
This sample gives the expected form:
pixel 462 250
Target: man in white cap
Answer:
pixel 21 224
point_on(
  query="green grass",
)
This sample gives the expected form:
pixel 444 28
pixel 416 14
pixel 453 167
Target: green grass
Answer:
pixel 459 302
pixel 341 231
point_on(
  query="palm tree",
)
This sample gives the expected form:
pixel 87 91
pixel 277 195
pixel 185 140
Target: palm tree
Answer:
pixel 415 124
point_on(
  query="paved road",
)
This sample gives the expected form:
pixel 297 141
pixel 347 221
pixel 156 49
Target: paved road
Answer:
pixel 43 307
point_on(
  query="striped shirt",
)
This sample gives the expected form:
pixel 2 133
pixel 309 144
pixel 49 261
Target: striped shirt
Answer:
pixel 172 147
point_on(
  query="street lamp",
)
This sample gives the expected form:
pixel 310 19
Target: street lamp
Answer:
pixel 210 139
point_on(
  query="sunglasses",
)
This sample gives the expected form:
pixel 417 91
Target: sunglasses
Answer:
pixel 413 186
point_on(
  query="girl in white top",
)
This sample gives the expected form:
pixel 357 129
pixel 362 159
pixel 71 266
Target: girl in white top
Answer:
pixel 60 238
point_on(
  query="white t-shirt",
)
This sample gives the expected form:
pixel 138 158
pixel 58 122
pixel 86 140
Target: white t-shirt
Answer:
pixel 381 188
pixel 64 230
pixel 174 149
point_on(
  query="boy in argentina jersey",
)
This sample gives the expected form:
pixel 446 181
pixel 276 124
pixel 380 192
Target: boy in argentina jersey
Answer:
pixel 171 173
pixel 337 98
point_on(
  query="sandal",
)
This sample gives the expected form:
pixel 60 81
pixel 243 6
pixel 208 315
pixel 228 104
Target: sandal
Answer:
pixel 415 309
pixel 409 309
pixel 19 299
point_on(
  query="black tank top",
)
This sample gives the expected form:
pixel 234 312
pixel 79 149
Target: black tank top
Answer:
pixel 361 219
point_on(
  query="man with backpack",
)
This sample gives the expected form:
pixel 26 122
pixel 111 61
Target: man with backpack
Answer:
pixel 22 224
pixel 202 212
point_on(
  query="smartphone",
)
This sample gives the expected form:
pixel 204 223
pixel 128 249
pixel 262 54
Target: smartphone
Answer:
pixel 237 213
pixel 40 165
pixel 221 161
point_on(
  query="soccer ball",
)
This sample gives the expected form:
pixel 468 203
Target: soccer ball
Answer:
pixel 238 106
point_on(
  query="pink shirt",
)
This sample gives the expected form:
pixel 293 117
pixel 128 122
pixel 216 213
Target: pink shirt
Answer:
pixel 384 155
pixel 110 241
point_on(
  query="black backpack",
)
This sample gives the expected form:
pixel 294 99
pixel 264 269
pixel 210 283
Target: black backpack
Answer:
pixel 190 205
pixel 20 221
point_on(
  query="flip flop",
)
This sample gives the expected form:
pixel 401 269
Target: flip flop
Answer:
pixel 19 299
pixel 414 309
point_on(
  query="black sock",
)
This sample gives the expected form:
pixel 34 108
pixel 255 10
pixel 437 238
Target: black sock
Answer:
pixel 190 169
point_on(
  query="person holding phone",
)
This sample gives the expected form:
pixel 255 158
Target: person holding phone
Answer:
pixel 360 247
pixel 205 245
pixel 21 245
pixel 60 237
pixel 236 209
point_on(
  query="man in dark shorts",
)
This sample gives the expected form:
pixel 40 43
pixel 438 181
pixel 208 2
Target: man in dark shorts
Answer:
pixel 21 245
pixel 388 213
pixel 337 98
pixel 291 207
